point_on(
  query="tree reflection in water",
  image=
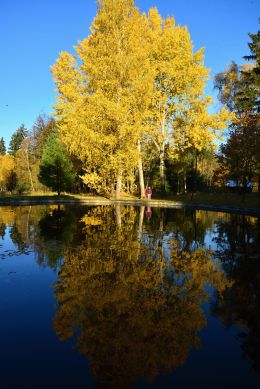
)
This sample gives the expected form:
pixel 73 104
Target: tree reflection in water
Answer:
pixel 238 239
pixel 130 289
pixel 57 229
pixel 133 304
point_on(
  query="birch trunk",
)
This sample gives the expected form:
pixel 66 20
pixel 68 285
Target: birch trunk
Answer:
pixel 118 186
pixel 162 155
pixel 162 170
pixel 140 170
pixel 28 167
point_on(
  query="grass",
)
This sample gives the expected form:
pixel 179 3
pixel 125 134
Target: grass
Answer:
pixel 50 195
pixel 252 200
pixel 41 198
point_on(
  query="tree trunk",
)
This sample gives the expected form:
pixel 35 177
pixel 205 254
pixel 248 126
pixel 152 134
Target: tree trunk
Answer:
pixel 140 170
pixel 29 170
pixel 185 182
pixel 162 156
pixel 194 180
pixel 162 170
pixel 118 186
pixel 196 172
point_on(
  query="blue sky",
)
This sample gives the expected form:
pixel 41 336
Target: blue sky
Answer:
pixel 33 32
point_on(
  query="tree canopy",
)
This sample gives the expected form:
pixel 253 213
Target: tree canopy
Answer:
pixel 135 79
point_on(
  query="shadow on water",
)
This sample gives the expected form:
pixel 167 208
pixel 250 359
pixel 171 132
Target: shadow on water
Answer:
pixel 132 282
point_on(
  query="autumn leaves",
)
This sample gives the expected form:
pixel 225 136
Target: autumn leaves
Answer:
pixel 134 84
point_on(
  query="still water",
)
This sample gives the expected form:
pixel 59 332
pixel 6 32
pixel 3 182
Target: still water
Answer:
pixel 125 297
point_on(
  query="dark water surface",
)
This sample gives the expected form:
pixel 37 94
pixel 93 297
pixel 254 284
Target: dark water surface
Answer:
pixel 121 297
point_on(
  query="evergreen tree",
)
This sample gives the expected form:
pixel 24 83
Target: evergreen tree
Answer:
pixel 2 146
pixel 38 135
pixel 252 77
pixel 56 167
pixel 17 138
pixel 239 88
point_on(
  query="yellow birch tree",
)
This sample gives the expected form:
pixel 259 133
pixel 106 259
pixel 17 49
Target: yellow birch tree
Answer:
pixel 135 78
pixel 180 108
pixel 103 98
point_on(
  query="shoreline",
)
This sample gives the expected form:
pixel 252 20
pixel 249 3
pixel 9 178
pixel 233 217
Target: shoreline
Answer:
pixel 153 203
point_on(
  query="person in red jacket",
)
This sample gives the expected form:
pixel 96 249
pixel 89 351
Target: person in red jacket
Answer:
pixel 148 192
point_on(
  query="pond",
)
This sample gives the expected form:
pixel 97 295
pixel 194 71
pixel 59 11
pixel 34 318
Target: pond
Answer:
pixel 128 297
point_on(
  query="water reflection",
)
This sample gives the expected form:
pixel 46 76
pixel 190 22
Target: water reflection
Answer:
pixel 57 229
pixel 131 286
pixel 134 306
pixel 238 239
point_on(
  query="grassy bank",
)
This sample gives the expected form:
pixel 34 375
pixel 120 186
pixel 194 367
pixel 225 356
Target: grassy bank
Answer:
pixel 47 196
pixel 214 200
pixel 251 200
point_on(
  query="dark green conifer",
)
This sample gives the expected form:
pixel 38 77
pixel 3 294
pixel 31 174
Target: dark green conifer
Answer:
pixel 55 167
pixel 2 146
pixel 17 138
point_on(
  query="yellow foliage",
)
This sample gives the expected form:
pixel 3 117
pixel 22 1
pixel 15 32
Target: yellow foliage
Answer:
pixel 135 77
pixel 102 102
pixel 7 166
pixel 180 108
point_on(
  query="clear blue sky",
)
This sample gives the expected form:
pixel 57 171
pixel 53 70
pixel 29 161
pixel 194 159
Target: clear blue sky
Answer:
pixel 33 32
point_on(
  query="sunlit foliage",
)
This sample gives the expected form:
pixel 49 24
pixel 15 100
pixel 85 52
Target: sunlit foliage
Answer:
pixel 135 79
pixel 7 166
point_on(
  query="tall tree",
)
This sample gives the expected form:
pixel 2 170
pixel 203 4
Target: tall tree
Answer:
pixel 239 87
pixel 102 103
pixel 252 76
pixel 137 77
pixel 180 109
pixel 17 138
pixel 2 146
pixel 23 164
pixel 56 167
pixel 38 135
